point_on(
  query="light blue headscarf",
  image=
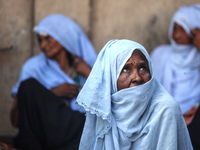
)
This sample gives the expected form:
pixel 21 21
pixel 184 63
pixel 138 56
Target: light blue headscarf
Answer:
pixel 142 117
pixel 47 71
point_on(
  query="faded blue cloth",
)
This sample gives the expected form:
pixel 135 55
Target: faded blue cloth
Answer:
pixel 143 117
pixel 177 67
pixel 47 71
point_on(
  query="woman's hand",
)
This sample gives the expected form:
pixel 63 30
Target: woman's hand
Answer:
pixel 66 90
pixel 196 37
pixel 81 66
pixel 190 115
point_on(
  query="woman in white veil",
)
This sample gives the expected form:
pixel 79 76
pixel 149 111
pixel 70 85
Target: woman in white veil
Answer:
pixel 126 108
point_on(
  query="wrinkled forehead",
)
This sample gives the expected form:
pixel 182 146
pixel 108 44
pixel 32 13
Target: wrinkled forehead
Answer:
pixel 141 57
pixel 123 57
pixel 119 51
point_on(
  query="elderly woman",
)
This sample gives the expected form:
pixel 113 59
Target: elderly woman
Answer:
pixel 177 66
pixel 48 85
pixel 126 108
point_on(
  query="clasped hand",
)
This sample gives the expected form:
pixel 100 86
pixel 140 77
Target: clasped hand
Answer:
pixel 70 91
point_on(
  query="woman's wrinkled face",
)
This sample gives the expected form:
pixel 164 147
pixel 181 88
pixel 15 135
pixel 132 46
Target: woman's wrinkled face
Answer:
pixel 135 72
pixel 180 36
pixel 50 46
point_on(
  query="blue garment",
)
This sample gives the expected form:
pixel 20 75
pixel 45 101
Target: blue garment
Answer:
pixel 47 71
pixel 143 117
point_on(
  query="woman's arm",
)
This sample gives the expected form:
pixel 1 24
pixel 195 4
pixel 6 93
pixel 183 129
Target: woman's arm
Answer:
pixel 66 90
pixel 81 66
pixel 14 113
pixel 189 116
pixel 70 90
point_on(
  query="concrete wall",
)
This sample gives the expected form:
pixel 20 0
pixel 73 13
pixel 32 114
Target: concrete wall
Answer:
pixel 15 31
pixel 144 21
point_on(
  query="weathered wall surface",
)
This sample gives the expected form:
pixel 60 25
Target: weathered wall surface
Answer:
pixel 144 21
pixel 15 27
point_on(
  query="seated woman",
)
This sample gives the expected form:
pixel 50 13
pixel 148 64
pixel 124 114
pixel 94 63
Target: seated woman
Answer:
pixel 48 86
pixel 126 108
pixel 177 66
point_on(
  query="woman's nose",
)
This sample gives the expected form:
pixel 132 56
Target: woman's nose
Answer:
pixel 136 77
pixel 177 34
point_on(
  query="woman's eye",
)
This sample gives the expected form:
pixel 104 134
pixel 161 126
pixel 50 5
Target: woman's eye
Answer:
pixel 125 70
pixel 47 38
pixel 142 68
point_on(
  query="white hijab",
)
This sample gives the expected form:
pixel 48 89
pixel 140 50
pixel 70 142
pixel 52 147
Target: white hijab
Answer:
pixel 142 117
pixel 47 71
pixel 180 70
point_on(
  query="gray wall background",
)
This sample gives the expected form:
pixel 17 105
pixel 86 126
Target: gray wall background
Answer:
pixel 144 21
